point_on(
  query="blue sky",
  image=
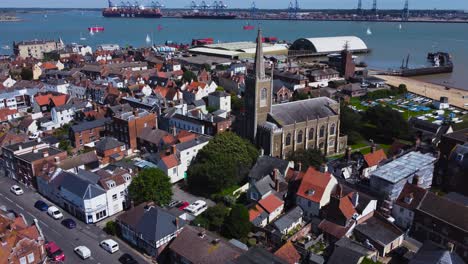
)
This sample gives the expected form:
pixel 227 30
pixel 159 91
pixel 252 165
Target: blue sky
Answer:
pixel 384 4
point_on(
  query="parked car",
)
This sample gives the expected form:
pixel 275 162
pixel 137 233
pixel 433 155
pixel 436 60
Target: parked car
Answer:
pixel 54 212
pixel 69 223
pixel 54 252
pixel 41 205
pixel 183 205
pixel 196 208
pixel 16 190
pixel 109 245
pixel 173 204
pixel 127 259
pixel 83 252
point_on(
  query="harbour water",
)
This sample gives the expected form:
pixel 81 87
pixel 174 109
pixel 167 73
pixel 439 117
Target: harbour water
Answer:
pixel 389 43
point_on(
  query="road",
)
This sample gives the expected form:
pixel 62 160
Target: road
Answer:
pixel 53 230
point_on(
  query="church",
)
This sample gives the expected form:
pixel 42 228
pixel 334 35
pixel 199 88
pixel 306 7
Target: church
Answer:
pixel 280 129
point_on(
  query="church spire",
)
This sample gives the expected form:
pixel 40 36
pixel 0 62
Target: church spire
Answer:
pixel 259 62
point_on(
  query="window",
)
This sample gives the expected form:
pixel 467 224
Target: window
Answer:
pixel 122 194
pixel 288 140
pixel 321 145
pixel 332 129
pixel 114 197
pixel 174 170
pixel 331 143
pixel 263 97
pixel 299 137
pixel 322 131
pixel 23 260
pixel 309 203
pixel 31 258
pixel 311 134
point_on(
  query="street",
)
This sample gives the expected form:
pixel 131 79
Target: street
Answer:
pixel 53 230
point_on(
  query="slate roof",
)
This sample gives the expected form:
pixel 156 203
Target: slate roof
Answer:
pixel 156 223
pixel 257 255
pixel 289 218
pixel 107 143
pixel 87 125
pixel 353 245
pixel 152 135
pixel 265 165
pixel 33 156
pixel 303 110
pixel 209 249
pixel 430 253
pixel 82 159
pixel 26 144
pixel 379 230
pixel 457 197
pixel 81 187
pixel 345 255
pixel 201 139
pixel 446 210
pixel 257 215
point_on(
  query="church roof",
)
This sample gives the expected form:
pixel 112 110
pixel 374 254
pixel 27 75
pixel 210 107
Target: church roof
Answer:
pixel 300 111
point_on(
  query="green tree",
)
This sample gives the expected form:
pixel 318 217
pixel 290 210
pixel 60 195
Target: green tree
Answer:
pixel 350 124
pixel 151 185
pixel 207 67
pixel 236 103
pixel 237 224
pixel 26 74
pixel 388 123
pixel 112 228
pixel 402 89
pixel 222 163
pixel 189 76
pixel 308 157
pixel 220 89
pixel 213 217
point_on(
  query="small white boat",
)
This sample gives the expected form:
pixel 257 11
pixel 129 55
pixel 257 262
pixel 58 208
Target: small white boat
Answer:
pixel 148 39
pixel 400 26
pixel 369 32
pixel 6 47
pixel 91 32
pixel 81 37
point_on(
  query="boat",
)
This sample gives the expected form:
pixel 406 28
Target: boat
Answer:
pixel 6 47
pixel 369 32
pixel 160 28
pixel 441 62
pixel 248 27
pixel 96 29
pixel 132 11
pixel 400 26
pixel 91 32
pixel 148 39
pixel 81 37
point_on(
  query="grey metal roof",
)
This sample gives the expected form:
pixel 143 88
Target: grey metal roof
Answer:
pixel 32 156
pixel 81 187
pixel 403 167
pixel 157 223
pixel 345 255
pixel 379 230
pixel 289 218
pixel 265 165
pixel 87 125
pixel 303 110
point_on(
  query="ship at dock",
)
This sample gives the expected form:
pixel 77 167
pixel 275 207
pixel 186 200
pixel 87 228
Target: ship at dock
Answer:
pixel 440 62
pixel 133 10
pixel 217 10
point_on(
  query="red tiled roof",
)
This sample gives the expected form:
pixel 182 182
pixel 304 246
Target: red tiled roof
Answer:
pixel 193 86
pixel 48 66
pixel 338 231
pixel 59 100
pixel 44 99
pixel 169 139
pixel 271 203
pixel 314 181
pixel 255 212
pixel 288 253
pixel 170 161
pixel 5 112
pixel 375 158
pixel 346 206
pixel 185 136
pixel 411 191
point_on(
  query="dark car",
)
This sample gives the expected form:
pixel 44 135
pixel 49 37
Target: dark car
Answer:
pixel 69 223
pixel 41 205
pixel 127 259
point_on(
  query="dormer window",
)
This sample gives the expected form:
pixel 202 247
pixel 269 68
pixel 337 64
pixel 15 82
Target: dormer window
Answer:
pixel 459 157
pixel 409 198
pixel 110 184
pixel 310 192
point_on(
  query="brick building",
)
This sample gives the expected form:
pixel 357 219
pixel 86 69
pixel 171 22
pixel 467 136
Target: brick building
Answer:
pixel 127 125
pixel 109 148
pixel 87 132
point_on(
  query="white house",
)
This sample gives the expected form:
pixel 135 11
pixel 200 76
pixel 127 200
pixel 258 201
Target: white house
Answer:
pixel 59 86
pixel 176 164
pixel 115 183
pixel 61 115
pixel 115 82
pixel 404 207
pixel 272 205
pixel 237 68
pixel 220 101
pixel 77 91
pixel 314 191
pixel 197 90
pixel 289 221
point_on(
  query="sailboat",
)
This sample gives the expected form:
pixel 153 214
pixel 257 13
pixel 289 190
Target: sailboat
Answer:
pixel 369 32
pixel 6 47
pixel 400 26
pixel 91 32
pixel 148 39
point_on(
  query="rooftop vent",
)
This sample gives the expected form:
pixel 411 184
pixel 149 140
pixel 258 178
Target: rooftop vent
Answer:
pixel 310 192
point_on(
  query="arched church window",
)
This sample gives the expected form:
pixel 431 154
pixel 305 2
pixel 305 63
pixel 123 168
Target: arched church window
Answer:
pixel 332 129
pixel 288 140
pixel 311 134
pixel 299 137
pixel 322 131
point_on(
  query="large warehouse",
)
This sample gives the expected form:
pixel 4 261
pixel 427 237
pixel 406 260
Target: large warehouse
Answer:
pixel 326 45
pixel 239 50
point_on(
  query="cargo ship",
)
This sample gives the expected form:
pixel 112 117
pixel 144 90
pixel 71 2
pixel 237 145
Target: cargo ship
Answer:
pixel 132 11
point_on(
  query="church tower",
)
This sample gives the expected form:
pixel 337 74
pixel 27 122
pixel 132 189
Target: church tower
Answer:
pixel 258 93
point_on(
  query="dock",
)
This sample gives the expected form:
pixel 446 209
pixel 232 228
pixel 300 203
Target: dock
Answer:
pixel 456 97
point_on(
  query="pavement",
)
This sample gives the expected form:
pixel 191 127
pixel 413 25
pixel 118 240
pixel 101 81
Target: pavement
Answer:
pixel 53 230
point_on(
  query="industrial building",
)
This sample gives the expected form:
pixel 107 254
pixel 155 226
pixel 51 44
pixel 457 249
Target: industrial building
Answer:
pixel 327 45
pixel 239 50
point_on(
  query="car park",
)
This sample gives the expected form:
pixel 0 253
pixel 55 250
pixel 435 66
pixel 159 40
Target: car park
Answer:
pixel 16 190
pixel 69 223
pixel 109 245
pixel 41 205
pixel 54 252
pixel 83 252
pixel 54 212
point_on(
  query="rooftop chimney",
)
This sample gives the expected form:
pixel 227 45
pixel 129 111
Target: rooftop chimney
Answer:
pixel 45 153
pixel 277 185
pixel 416 180
pixel 299 166
pixel 450 246
pixel 348 153
pixel 323 168
pixel 373 148
pixel 173 149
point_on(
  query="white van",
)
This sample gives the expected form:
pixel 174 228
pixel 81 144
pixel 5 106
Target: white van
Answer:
pixel 196 208
pixel 109 245
pixel 83 252
pixel 54 212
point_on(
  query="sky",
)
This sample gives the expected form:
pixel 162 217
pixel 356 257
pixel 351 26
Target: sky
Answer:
pixel 348 4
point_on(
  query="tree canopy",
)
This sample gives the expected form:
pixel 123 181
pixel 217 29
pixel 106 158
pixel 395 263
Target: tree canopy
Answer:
pixel 388 123
pixel 26 74
pixel 222 163
pixel 151 185
pixel 308 157
pixel 189 76
pixel 237 224
pixel 350 124
pixel 213 218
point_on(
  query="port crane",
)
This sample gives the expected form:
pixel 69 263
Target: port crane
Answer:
pixel 157 4
pixel 405 15
pixel 253 10
pixel 359 7
pixel 374 8
pixel 293 9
